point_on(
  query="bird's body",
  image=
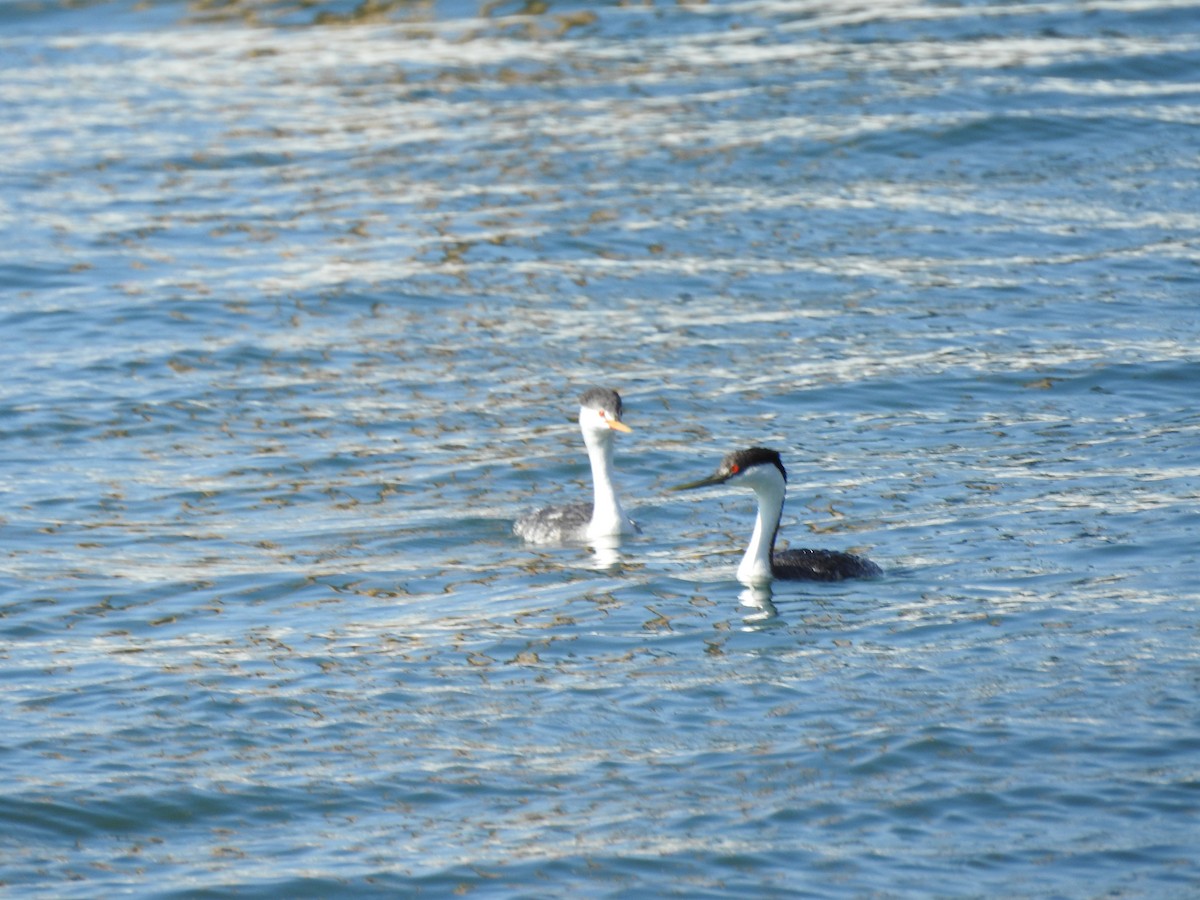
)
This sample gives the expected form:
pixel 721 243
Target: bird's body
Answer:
pixel 820 565
pixel 763 471
pixel 555 523
pixel 599 418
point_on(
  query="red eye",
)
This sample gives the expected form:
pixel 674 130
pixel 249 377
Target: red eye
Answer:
pixel 601 413
pixel 734 469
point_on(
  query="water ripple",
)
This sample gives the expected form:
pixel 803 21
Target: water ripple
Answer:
pixel 300 298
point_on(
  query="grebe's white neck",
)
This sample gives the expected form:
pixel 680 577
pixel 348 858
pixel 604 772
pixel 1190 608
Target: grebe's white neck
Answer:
pixel 770 489
pixel 608 518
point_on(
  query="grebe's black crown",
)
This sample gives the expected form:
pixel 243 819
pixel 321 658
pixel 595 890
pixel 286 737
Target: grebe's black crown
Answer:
pixel 740 460
pixel 602 398
pixel 736 463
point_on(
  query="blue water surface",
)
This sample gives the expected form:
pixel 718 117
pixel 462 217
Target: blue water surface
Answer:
pixel 298 300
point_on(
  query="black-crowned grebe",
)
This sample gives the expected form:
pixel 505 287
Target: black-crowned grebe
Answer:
pixel 762 470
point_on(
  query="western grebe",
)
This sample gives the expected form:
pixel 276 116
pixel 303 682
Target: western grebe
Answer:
pixel 762 470
pixel 599 420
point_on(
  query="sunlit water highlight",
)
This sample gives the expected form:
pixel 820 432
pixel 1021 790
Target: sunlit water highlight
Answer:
pixel 298 302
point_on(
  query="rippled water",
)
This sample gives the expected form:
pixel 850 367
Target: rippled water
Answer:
pixel 297 302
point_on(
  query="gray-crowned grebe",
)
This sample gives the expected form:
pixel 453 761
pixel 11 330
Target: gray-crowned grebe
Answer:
pixel 599 420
